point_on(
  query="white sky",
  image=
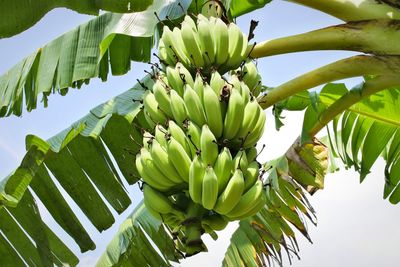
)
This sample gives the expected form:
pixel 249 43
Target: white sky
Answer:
pixel 355 226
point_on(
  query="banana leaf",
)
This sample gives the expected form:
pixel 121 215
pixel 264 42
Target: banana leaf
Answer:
pixel 368 130
pixel 19 15
pixel 84 160
pixel 132 242
pixel 110 41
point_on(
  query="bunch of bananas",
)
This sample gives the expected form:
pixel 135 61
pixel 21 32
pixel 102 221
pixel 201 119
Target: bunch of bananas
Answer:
pixel 198 157
pixel 229 108
pixel 204 44
pixel 175 160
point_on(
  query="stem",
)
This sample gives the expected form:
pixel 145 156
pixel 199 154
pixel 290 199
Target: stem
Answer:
pixel 346 101
pixel 193 229
pixel 342 69
pixel 351 10
pixel 359 36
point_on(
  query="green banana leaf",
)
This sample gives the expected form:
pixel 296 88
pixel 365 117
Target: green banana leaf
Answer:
pixel 367 130
pixel 88 51
pixel 132 242
pixel 19 15
pixel 241 7
pixel 78 159
pixel 263 238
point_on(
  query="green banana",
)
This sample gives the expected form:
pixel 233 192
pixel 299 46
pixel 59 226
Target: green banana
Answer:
pixel 206 39
pixel 162 98
pixel 209 188
pixel 179 135
pixel 217 82
pixel 192 44
pixel 257 132
pixel 175 80
pixel 163 162
pixel 231 194
pixel 248 200
pixel 142 121
pixel 164 53
pixel 245 92
pixel 223 168
pixel 236 44
pixel 221 42
pixel 180 48
pixel 208 146
pixel 151 106
pixel 157 201
pixel 198 86
pixel 178 108
pixel 251 175
pixel 173 45
pixel 147 139
pixel 235 81
pixel 196 175
pixel 250 75
pixel 166 41
pixel 150 122
pixel 240 160
pixel 185 74
pixel 251 115
pixel 179 158
pixel 193 132
pixel 160 134
pixel 150 180
pixel 256 207
pixel 194 106
pixel 188 19
pixel 152 170
pixel 234 114
pixel 212 108
pixel 251 153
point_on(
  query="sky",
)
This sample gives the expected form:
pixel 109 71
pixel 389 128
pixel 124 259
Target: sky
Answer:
pixel 356 227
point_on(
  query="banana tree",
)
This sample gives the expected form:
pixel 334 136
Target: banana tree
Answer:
pixel 186 132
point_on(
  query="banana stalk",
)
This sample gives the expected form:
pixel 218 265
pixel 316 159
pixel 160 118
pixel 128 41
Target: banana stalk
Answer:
pixel 351 10
pixel 342 69
pixel 193 229
pixel 379 37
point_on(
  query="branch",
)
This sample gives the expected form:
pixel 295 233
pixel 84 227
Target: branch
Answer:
pixel 351 10
pixel 352 97
pixel 359 36
pixel 342 69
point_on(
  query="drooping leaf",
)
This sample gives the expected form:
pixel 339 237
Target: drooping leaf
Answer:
pixel 132 244
pixel 368 130
pixel 82 54
pixel 79 160
pixel 19 15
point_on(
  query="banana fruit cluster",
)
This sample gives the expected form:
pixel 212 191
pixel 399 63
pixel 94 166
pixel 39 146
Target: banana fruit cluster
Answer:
pixel 201 121
pixel 230 187
pixel 207 43
pixel 229 108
